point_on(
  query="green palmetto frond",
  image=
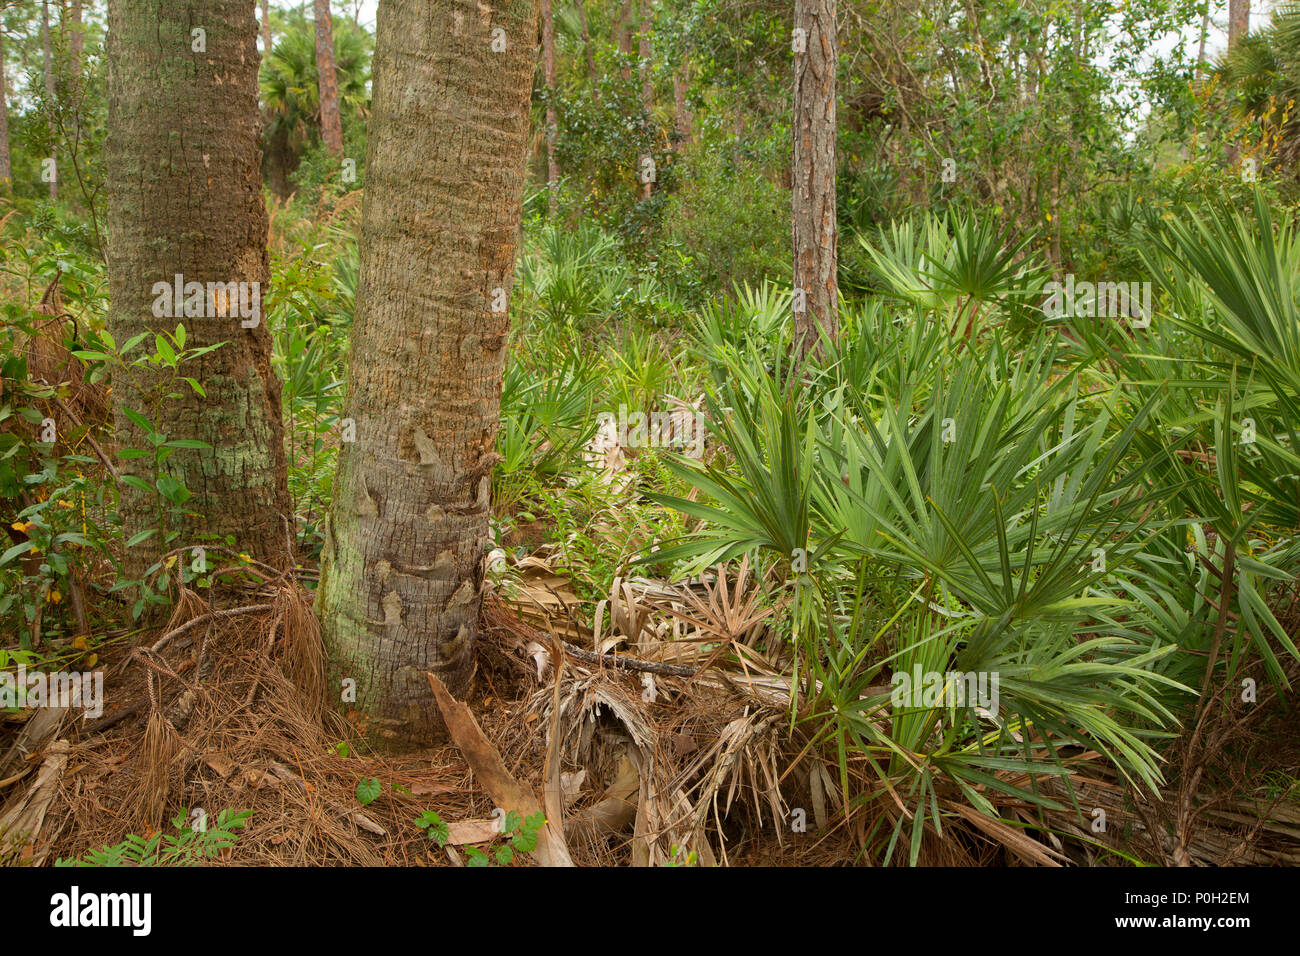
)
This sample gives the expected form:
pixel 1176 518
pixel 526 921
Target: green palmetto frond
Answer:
pixel 955 529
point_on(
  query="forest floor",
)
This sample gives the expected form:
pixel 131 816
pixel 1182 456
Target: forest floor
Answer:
pixel 697 772
pixel 245 736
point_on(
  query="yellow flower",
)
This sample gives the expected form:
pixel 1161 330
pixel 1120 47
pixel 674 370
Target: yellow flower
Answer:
pixel 245 558
pixel 66 504
pixel 54 597
pixel 23 526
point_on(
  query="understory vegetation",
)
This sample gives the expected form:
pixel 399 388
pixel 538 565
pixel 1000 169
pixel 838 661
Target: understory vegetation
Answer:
pixel 1055 442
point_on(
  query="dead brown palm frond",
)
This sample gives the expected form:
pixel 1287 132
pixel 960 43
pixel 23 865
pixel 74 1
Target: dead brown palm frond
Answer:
pixel 728 614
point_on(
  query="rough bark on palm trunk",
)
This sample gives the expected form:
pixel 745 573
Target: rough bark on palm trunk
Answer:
pixel 266 29
pixel 331 123
pixel 816 231
pixel 401 569
pixel 185 198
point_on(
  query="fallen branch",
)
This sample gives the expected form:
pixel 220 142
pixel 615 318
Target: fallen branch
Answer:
pixel 104 723
pixel 629 663
pixel 490 769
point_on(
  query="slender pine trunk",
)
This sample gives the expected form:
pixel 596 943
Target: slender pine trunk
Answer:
pixel 331 123
pixel 816 230
pixel 48 58
pixel 548 66
pixel 1238 21
pixel 592 76
pixel 6 166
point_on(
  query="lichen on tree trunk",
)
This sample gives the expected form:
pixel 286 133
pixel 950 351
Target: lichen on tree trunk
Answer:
pixel 185 199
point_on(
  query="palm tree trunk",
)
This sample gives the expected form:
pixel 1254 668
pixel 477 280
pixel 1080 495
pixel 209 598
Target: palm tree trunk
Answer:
pixel 816 230
pixel 185 198
pixel 401 569
pixel 331 124
pixel 266 28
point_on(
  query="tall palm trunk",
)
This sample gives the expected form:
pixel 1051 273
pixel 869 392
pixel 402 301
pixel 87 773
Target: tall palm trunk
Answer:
pixel 331 124
pixel 401 569
pixel 816 230
pixel 185 198
pixel 266 28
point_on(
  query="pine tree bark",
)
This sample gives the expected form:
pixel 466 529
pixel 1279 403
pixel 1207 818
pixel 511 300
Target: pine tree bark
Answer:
pixel 6 166
pixel 185 198
pixel 331 123
pixel 815 227
pixel 548 67
pixel 47 56
pixel 73 80
pixel 77 40
pixel 401 569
